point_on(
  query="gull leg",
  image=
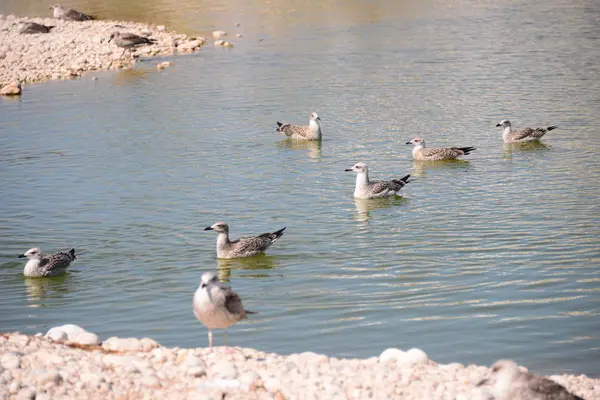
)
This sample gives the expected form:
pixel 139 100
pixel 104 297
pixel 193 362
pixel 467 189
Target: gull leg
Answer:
pixel 122 53
pixel 225 337
pixel 210 338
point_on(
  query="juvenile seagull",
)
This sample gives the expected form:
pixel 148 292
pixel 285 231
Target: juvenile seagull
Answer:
pixel 69 14
pixel 128 40
pixel 436 153
pixel 510 383
pixel 310 132
pixel 243 247
pixel 367 189
pixel 523 134
pixel 33 27
pixel 41 264
pixel 217 306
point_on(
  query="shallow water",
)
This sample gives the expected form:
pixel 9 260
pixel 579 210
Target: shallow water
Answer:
pixel 493 257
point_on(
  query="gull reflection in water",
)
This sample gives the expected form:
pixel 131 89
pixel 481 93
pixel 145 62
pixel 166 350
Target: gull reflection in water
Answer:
pixel 534 145
pixel 256 263
pixel 40 288
pixel 313 147
pixel 420 167
pixel 364 206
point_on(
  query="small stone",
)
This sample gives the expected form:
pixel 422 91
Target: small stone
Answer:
pixel 91 380
pixel 218 34
pixel 227 44
pixel 238 24
pixel 219 42
pixel 122 344
pixel 14 387
pixel 26 394
pixel 126 362
pixel 160 28
pixel 189 46
pixel 10 361
pixel 71 330
pixel 87 338
pixel 19 340
pixel 224 370
pixel 238 35
pixel 150 381
pixel 42 396
pixel 147 343
pixel 12 89
pixel 160 66
pixel 95 78
pixel 49 377
pixel 197 372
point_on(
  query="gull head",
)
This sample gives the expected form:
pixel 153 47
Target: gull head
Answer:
pixel 32 254
pixel 314 116
pixel 417 141
pixel 359 168
pixel 220 227
pixel 56 7
pixel 504 123
pixel 114 35
pixel 208 278
pixel 504 372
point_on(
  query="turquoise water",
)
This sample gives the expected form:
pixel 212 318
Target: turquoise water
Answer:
pixel 493 257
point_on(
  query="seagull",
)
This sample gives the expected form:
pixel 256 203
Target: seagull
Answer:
pixel 217 306
pixel 69 14
pixel 41 264
pixel 242 247
pixel 310 132
pixel 34 27
pixel 523 134
pixel 436 153
pixel 367 189
pixel 129 40
pixel 510 383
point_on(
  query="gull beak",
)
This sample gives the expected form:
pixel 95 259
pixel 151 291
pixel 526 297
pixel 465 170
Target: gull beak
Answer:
pixel 408 143
pixel 21 256
pixel 202 285
pixel 318 118
pixel 482 382
pixel 348 169
pixel 208 228
pixel 498 125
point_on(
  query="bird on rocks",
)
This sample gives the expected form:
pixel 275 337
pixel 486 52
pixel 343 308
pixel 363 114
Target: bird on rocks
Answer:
pixel 310 132
pixel 41 264
pixel 34 27
pixel 508 382
pixel 421 153
pixel 523 134
pixel 217 306
pixel 242 247
pixel 60 12
pixel 128 40
pixel 367 189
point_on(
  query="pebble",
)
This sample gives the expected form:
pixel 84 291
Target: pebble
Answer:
pixel 10 361
pixel 122 344
pixel 26 394
pixel 12 89
pixel 163 65
pixel 49 377
pixel 150 381
pixel 224 370
pixel 219 34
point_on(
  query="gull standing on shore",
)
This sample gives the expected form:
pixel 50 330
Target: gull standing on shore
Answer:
pixel 41 264
pixel 217 306
pixel 242 247
pixel 302 132
pixel 367 189
pixel 128 40
pixel 421 153
pixel 60 12
pixel 33 27
pixel 510 383
pixel 523 134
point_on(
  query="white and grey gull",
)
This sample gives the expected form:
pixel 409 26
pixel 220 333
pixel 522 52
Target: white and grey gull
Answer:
pixel 40 264
pixel 302 132
pixel 242 247
pixel 217 306
pixel 61 12
pixel 422 153
pixel 523 134
pixel 127 40
pixel 368 189
pixel 509 382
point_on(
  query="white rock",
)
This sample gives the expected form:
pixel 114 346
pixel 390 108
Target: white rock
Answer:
pixel 70 330
pixel 414 356
pixel 26 394
pixel 14 387
pixel 92 380
pixel 224 370
pixel 150 381
pixel 122 344
pixel 125 362
pixel 189 46
pixel 219 42
pixel 391 354
pixel 218 34
pixel 19 339
pixel 88 338
pixel 49 377
pixel 160 28
pixel 197 372
pixel 147 343
pixel 10 361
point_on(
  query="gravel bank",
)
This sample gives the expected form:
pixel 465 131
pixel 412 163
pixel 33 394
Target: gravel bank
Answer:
pixel 72 48
pixel 37 367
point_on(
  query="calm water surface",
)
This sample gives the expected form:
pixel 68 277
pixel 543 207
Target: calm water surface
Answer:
pixel 493 257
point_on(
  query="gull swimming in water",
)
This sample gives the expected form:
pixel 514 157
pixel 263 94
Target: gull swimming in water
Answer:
pixel 523 134
pixel 367 189
pixel 242 247
pixel 421 153
pixel 69 14
pixel 217 306
pixel 128 40
pixel 310 132
pixel 41 264
pixel 510 383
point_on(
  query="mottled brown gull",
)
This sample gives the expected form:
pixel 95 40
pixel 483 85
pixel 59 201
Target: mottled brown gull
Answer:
pixel 367 189
pixel 33 27
pixel 302 132
pixel 523 134
pixel 242 247
pixel 60 12
pixel 127 40
pixel 509 382
pixel 422 153
pixel 41 264
pixel 217 306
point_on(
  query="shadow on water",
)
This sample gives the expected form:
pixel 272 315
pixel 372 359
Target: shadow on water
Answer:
pixel 364 207
pixel 255 264
pixel 420 167
pixel 534 145
pixel 38 289
pixel 313 146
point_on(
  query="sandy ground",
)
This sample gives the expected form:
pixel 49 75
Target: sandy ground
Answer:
pixel 44 368
pixel 71 48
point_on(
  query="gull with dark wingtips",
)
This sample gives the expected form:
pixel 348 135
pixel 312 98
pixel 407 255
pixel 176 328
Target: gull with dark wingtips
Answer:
pixel 302 132
pixel 422 153
pixel 523 134
pixel 368 189
pixel 217 306
pixel 40 264
pixel 60 12
pixel 242 247
pixel 29 28
pixel 128 40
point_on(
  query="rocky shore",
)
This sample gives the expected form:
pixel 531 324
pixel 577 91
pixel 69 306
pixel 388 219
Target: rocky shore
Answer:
pixel 70 363
pixel 73 48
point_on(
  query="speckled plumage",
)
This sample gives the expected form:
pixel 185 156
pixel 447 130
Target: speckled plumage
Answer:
pixel 242 247
pixel 312 131
pixel 367 189
pixel 33 27
pixel 523 134
pixel 127 39
pixel 422 153
pixel 40 264
pixel 69 14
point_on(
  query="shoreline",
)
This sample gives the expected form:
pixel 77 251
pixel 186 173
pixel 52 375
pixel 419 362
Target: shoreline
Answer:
pixel 72 48
pixel 69 362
